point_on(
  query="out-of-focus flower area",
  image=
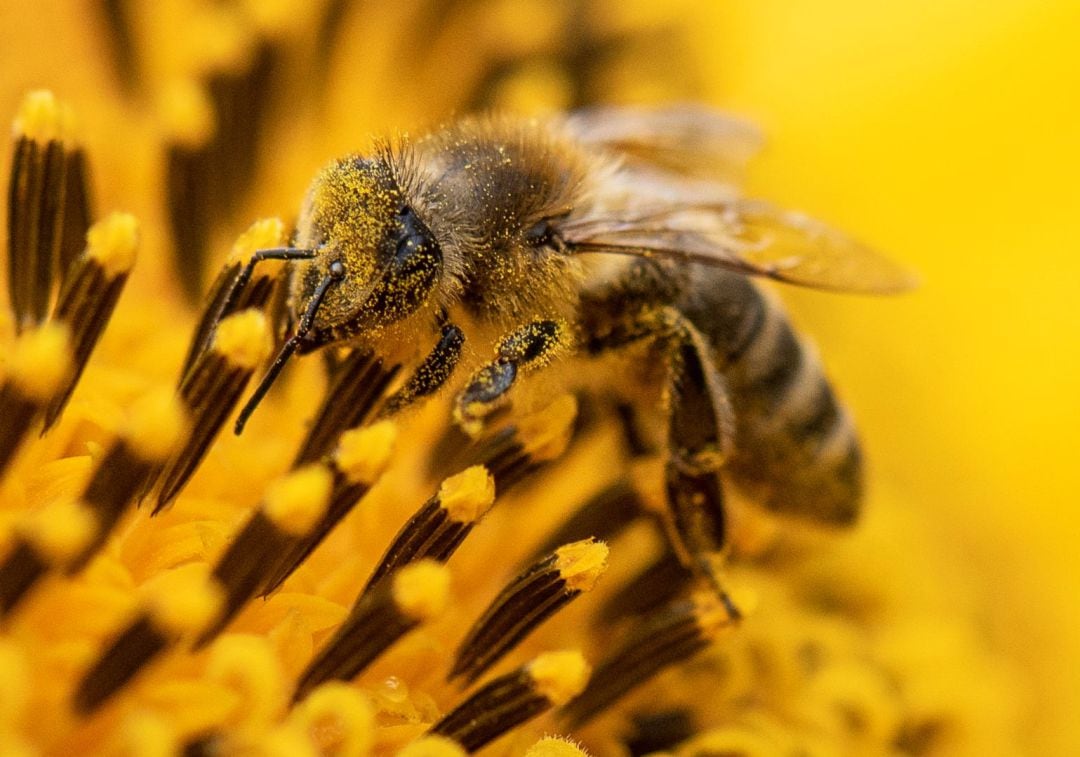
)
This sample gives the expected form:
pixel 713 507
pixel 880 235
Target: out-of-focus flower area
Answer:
pixel 942 133
pixel 945 133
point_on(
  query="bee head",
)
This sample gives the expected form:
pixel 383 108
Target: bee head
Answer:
pixel 360 223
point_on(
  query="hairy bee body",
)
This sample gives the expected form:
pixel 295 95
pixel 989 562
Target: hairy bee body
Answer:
pixel 581 236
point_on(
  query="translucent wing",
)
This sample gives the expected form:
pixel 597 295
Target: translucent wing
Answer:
pixel 687 140
pixel 749 236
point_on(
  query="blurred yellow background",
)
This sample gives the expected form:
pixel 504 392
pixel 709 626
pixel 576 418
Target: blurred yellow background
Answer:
pixel 947 134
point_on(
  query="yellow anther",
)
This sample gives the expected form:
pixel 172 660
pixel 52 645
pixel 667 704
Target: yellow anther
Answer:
pixel 156 425
pixel 263 234
pixel 422 589
pixel 243 338
pixel 111 243
pixel 363 454
pixel 184 599
pixel 41 360
pixel 467 496
pixel 296 502
pixel 580 564
pixel 560 676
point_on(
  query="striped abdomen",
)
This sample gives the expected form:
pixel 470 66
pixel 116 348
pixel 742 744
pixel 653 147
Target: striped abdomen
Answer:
pixel 796 451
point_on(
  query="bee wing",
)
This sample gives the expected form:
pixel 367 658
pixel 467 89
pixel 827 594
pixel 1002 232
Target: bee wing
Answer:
pixel 748 236
pixel 687 140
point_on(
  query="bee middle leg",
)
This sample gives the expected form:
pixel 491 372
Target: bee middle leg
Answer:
pixel 527 347
pixel 699 430
pixel 700 427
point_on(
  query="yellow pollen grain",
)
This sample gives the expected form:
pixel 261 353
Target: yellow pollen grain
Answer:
pixel 467 496
pixel 40 361
pixel 187 113
pixel 248 665
pixel 264 234
pixel 243 338
pixel 60 531
pixel 338 718
pixel 553 746
pixel 156 424
pixel 40 117
pixel 362 454
pixel 580 564
pixel 432 746
pixel 183 600
pixel 297 501
pixel 421 589
pixel 546 433
pixel 560 676
pixel 111 243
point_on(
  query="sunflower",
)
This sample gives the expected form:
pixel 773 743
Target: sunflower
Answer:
pixel 332 584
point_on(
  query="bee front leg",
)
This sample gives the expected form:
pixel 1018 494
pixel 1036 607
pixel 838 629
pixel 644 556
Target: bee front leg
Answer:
pixel 526 348
pixel 700 429
pixel 431 374
pixel 231 292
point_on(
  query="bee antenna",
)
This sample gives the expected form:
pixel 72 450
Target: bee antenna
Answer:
pixel 307 320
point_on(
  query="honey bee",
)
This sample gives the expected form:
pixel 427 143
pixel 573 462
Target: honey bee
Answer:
pixel 575 238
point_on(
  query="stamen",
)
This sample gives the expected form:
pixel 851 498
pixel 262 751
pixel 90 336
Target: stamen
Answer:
pixel 224 299
pixel 534 440
pixel 36 205
pixel 359 461
pixel 413 595
pixel 307 320
pixel 529 600
pixel 89 295
pixel 338 718
pixel 77 212
pixel 45 540
pixel 355 388
pixel 551 680
pixel 604 517
pixel 665 639
pixel 293 505
pixel 65 537
pixel 176 603
pixel 116 15
pixel 660 731
pixel 212 389
pixel 440 526
pixel 248 666
pixel 36 369
pixel 655 586
pixel 192 188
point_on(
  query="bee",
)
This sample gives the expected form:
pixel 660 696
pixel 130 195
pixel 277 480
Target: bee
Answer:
pixel 575 238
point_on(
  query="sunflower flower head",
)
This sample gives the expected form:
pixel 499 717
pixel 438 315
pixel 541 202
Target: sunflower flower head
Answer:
pixel 337 581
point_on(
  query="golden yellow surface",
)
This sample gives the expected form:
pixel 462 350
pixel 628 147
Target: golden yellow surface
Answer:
pixel 944 133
